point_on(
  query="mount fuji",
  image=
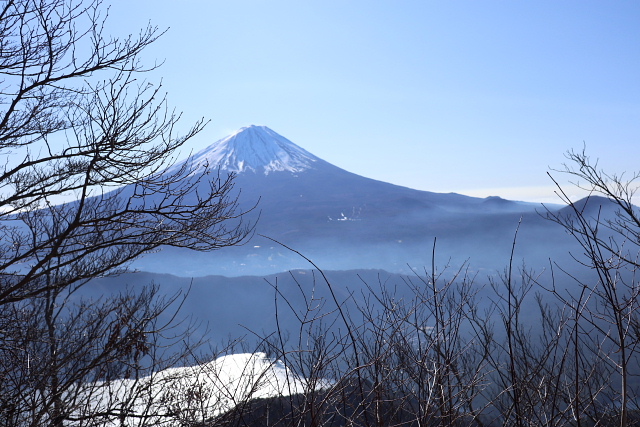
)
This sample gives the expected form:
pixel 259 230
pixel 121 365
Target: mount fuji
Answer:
pixel 341 220
pixel 256 149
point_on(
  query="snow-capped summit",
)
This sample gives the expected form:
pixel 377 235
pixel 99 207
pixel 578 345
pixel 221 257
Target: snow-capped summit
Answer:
pixel 257 149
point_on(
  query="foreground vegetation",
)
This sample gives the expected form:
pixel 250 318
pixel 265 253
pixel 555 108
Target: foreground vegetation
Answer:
pixel 457 352
pixel 452 349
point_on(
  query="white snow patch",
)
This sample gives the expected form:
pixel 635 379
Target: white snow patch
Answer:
pixel 197 393
pixel 252 148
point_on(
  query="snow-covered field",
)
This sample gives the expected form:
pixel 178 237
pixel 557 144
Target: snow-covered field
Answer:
pixel 193 394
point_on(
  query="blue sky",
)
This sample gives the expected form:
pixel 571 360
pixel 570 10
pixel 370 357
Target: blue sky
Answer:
pixel 477 97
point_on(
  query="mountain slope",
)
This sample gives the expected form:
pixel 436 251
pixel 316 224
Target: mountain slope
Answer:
pixel 340 219
pixel 265 160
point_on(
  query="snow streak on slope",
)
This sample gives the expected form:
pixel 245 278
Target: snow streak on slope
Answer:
pixel 257 149
pixel 198 393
